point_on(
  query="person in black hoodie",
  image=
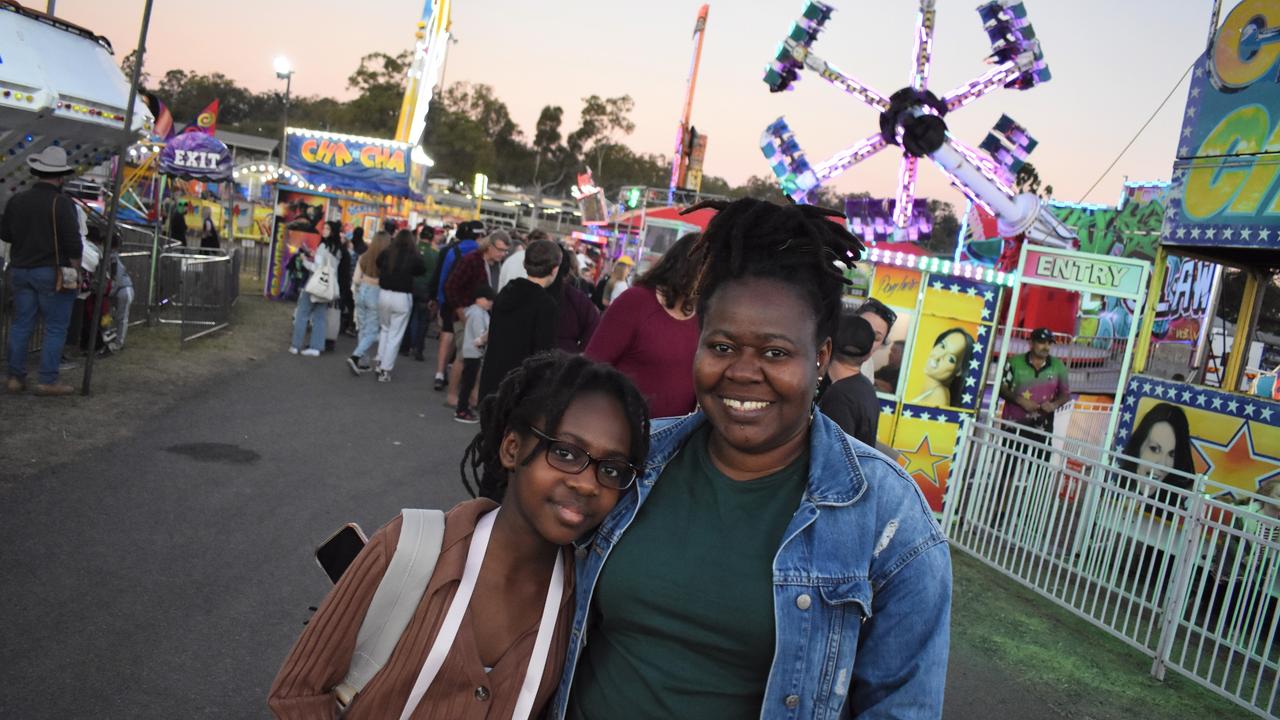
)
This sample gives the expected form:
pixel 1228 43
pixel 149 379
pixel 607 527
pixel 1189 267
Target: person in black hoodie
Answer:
pixel 396 268
pixel 524 317
pixel 346 298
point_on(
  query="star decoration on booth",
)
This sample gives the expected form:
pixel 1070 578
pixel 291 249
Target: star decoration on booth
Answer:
pixel 1238 461
pixel 923 462
pixel 1228 405
pixel 933 414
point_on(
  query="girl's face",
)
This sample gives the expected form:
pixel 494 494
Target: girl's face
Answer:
pixel 1157 449
pixel 560 506
pixel 757 366
pixel 324 231
pixel 944 358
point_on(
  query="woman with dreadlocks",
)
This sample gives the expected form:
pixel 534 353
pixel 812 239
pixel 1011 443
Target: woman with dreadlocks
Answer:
pixel 768 565
pixel 559 443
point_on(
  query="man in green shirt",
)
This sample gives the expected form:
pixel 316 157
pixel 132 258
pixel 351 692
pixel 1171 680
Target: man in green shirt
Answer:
pixel 423 304
pixel 1034 386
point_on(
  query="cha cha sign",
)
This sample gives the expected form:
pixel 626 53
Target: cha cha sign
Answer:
pixel 348 162
pixel 1225 191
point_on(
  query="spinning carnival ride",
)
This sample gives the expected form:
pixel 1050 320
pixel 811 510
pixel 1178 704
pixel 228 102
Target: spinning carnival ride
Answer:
pixel 913 118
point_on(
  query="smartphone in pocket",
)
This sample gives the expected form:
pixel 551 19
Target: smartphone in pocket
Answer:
pixel 336 554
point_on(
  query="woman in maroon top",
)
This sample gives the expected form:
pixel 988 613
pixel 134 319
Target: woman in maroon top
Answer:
pixel 650 332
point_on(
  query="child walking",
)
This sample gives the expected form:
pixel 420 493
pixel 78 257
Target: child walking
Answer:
pixel 475 337
pixel 559 443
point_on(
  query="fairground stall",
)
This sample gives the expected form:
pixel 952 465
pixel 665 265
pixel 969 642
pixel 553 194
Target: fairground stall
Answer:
pixel 358 181
pixel 1164 531
pixel 1223 209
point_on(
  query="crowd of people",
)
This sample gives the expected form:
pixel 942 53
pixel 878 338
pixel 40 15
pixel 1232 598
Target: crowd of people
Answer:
pixel 670 427
pixel 704 429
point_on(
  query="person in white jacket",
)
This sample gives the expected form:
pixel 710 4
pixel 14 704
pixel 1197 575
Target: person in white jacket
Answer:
pixel 310 309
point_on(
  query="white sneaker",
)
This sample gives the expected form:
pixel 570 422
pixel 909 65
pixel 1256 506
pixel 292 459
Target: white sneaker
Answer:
pixel 384 376
pixel 293 351
pixel 311 352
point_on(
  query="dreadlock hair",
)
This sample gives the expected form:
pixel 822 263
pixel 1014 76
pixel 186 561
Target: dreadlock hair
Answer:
pixel 537 393
pixel 797 245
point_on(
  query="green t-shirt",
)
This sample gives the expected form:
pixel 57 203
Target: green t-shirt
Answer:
pixel 683 610
pixel 422 283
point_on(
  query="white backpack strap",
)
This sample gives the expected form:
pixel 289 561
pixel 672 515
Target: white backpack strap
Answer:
pixel 396 599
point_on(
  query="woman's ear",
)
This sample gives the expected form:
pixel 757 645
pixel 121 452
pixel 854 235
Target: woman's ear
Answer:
pixel 509 450
pixel 824 356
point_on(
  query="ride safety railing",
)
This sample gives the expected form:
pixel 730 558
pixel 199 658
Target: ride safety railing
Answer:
pixel 1182 569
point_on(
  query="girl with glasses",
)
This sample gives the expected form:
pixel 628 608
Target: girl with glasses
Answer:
pixel 560 442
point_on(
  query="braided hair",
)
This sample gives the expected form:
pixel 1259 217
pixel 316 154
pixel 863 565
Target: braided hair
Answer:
pixel 794 244
pixel 538 393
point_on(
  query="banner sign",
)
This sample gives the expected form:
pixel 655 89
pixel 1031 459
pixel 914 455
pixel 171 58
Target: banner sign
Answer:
pixel 1225 190
pixel 196 155
pixel 1071 270
pixel 1234 440
pixel 347 162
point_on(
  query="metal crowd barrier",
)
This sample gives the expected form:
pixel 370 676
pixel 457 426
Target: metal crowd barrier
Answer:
pixel 1188 577
pixel 207 290
pixel 194 288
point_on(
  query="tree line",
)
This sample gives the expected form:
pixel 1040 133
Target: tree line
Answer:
pixel 470 130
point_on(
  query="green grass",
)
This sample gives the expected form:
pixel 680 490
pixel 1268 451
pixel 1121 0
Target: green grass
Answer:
pixel 1062 659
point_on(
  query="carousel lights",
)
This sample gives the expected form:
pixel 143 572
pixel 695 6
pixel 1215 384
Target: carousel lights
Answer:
pixel 320 135
pixel 939 266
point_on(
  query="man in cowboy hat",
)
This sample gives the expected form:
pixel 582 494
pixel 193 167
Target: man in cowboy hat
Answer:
pixel 42 227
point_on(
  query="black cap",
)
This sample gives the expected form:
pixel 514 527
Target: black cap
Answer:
pixel 854 337
pixel 1042 334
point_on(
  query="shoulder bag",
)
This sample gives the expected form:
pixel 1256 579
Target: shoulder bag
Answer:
pixel 395 600
pixel 67 279
pixel 322 286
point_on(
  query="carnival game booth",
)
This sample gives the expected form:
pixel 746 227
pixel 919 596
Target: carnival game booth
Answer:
pixel 356 180
pixel 1222 210
pixel 1167 532
pixel 929 371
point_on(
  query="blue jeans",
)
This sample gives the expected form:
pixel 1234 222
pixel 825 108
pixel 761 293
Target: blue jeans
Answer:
pixel 366 318
pixel 33 294
pixel 309 310
pixel 419 319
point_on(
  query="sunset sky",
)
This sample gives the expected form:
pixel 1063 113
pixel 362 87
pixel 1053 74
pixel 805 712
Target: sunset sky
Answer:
pixel 1113 61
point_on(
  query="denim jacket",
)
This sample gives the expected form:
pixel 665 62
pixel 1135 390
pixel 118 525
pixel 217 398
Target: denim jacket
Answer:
pixel 861 585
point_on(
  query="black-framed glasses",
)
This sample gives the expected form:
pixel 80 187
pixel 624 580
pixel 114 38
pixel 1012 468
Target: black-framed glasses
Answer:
pixel 567 457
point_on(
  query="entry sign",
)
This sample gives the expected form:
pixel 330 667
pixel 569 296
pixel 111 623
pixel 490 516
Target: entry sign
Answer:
pixel 1085 272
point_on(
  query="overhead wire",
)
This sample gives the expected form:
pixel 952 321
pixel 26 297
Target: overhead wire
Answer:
pixel 1138 134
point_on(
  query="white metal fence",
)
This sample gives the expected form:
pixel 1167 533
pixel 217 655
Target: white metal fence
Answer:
pixel 1190 577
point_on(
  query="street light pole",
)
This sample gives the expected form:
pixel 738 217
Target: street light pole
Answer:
pixel 284 71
